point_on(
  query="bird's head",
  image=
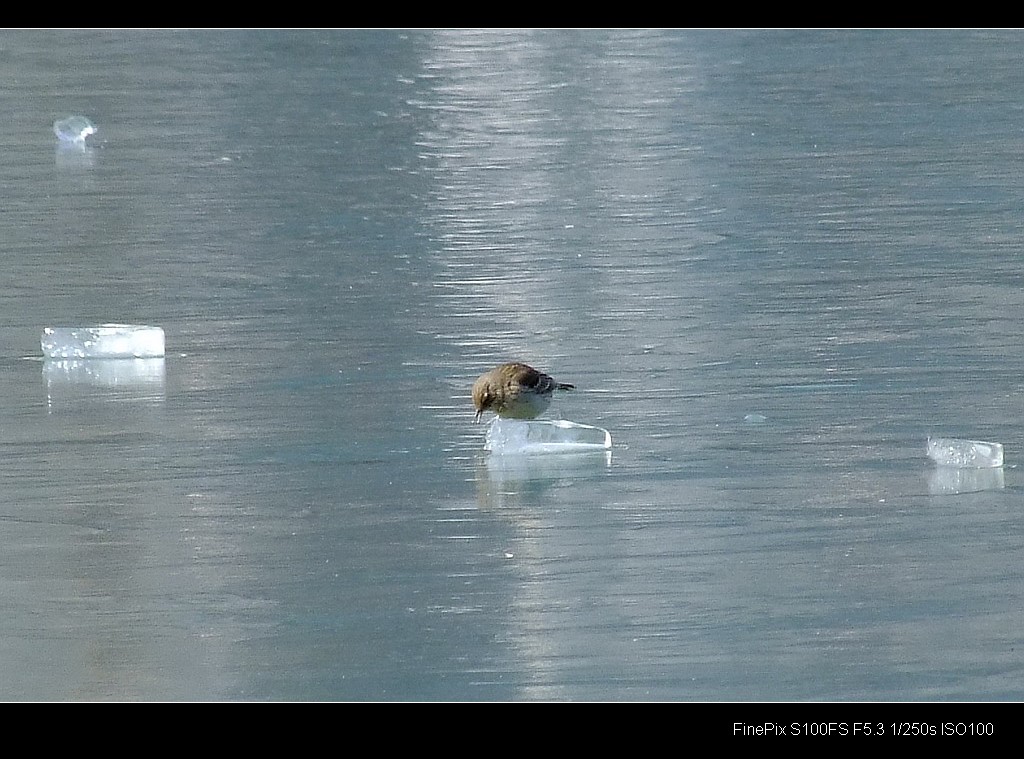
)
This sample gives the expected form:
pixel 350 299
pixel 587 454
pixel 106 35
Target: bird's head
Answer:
pixel 483 397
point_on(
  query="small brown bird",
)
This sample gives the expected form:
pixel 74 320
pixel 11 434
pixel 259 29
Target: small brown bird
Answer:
pixel 514 391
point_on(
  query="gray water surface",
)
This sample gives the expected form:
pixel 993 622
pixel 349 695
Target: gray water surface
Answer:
pixel 773 263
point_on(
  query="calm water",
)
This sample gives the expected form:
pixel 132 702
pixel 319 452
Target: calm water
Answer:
pixel 773 264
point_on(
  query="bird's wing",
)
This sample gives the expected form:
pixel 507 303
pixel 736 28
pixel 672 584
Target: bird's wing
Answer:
pixel 537 381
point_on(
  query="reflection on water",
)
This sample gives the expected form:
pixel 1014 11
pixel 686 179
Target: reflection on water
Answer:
pixel 948 480
pixel 124 372
pixel 502 471
pixel 69 382
pixel 772 263
pixel 74 156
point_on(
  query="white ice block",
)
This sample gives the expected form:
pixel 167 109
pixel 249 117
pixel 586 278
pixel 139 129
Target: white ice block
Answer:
pixel 506 436
pixel 103 341
pixel 74 129
pixel 966 454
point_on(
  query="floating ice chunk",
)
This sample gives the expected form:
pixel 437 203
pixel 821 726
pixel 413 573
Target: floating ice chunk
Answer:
pixel 968 454
pixel 103 341
pixel 74 129
pixel 544 436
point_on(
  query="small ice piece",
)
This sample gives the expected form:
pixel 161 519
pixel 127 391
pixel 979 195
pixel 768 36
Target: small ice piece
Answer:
pixel 544 436
pixel 103 341
pixel 966 454
pixel 73 129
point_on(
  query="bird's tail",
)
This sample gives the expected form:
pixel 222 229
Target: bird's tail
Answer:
pixel 565 386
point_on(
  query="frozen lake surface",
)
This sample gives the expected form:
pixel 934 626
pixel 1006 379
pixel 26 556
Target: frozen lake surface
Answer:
pixel 773 264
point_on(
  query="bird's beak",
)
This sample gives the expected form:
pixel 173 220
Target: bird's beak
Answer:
pixel 477 417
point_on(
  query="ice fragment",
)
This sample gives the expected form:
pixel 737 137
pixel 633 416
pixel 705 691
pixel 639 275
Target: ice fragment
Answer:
pixel 968 454
pixel 103 341
pixel 74 129
pixel 508 436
